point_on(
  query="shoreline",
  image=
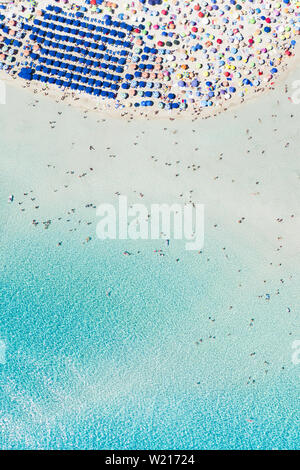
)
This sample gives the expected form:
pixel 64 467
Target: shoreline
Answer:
pixel 85 105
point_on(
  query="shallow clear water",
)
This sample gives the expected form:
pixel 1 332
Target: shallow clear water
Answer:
pixel 167 360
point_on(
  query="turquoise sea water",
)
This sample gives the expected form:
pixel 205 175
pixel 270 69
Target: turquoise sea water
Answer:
pixel 89 371
pixel 170 359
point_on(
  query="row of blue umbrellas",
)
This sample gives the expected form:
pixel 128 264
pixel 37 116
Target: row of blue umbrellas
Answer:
pixel 75 31
pixel 82 60
pixel 78 69
pixel 73 39
pixel 27 74
pixel 78 50
pixel 79 64
pixel 76 78
pixel 80 24
pixel 91 54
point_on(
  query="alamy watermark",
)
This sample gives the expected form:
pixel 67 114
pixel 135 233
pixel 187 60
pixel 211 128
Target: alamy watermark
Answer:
pixel 296 352
pixel 158 221
pixel 2 352
pixel 295 98
pixel 2 92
